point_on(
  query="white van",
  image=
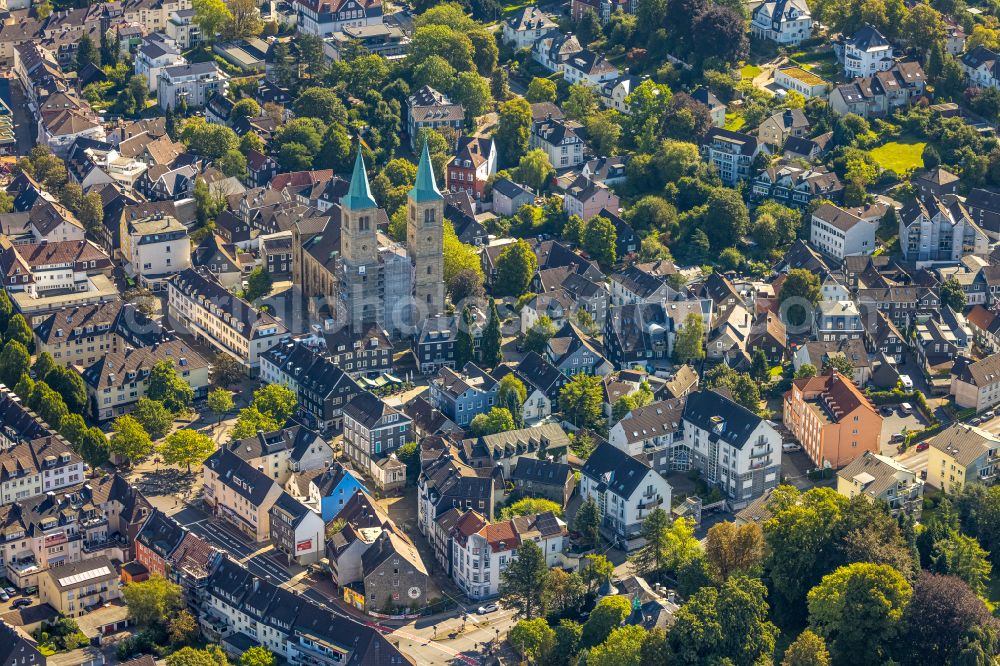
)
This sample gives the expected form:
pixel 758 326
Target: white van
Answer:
pixel 906 382
pixel 906 408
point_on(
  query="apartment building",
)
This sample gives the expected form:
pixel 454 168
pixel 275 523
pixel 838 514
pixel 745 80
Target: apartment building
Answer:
pixel 78 588
pixel 461 396
pixel 939 229
pixel 832 419
pixel 840 233
pixel 651 431
pixel 976 384
pixel 882 479
pixel 81 335
pixel 732 153
pixel 373 431
pixel 239 494
pixel 281 453
pixel 200 304
pixel 193 84
pixel 155 248
pixel 962 454
pixel 117 380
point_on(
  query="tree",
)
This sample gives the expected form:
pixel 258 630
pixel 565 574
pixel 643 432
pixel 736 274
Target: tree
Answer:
pixel 87 53
pixel 622 647
pixel 567 642
pixel 245 108
pixel 721 34
pixel 564 592
pixel 168 387
pixel 18 329
pixel 953 295
pixel 492 339
pixel 6 309
pixel 587 523
pixel 73 428
pixel 258 284
pixel 152 600
pixel 731 549
pixel 226 370
pixel 923 27
pixel 220 401
pixel 211 16
pixel 153 417
pixel 500 84
pixel 532 639
pixel 522 583
pixel 801 292
pixel 90 211
pixel 186 447
pixel 233 164
pixel 805 371
pixel 276 400
pixel 607 615
pixel 580 401
pixel 689 343
pixel 962 556
pixel 94 447
pixel 473 92
pixel 537 337
pixel 534 169
pixel 454 46
pixel 541 90
pixel 464 350
pixel 858 609
pixel 321 103
pixel 726 218
pixel 728 624
pixel 840 363
pixel 257 656
pixel 511 396
pixel 182 627
pixel 208 139
pixel 14 362
pixel 49 404
pixel 599 241
pixel 245 21
pixel 130 440
pixel 943 620
pixel 466 284
pixel 250 421
pixel 189 656
pixel 515 267
pixel 807 650
pixel 530 506
pixel 496 420
pixel 513 130
pixel 596 569
pixel 758 365
pixel 669 544
pixel 458 256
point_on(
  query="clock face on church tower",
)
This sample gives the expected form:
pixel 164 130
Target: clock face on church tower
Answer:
pixel 413 592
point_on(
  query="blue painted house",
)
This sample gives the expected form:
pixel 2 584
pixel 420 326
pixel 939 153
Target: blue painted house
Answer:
pixel 462 395
pixel 330 489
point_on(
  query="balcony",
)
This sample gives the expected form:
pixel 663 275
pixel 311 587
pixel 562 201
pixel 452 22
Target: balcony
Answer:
pixel 761 453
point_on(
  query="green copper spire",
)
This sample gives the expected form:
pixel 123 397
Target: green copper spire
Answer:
pixel 425 188
pixel 359 195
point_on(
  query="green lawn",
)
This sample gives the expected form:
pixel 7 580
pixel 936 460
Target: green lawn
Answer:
pixel 734 121
pixel 749 71
pixel 901 155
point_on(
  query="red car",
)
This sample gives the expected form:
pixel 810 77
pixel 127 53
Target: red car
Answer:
pixel 923 446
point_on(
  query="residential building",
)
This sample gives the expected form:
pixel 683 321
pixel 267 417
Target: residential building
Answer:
pixel 881 93
pixel 543 478
pixel 939 229
pixel 117 380
pixel 573 352
pixel 17 648
pixel 77 588
pixel 881 478
pixel 323 388
pixel 650 433
pixel 40 269
pixel 587 198
pixel 236 492
pixel 474 163
pixel 732 153
pixel 447 483
pixel 541 379
pixel 429 108
pixel 201 305
pixel 195 84
pixel 325 490
pixel 976 384
pixel 502 450
pixel 818 354
pixel 735 450
pixel 461 396
pixel 155 53
pixel 865 53
pixel 626 491
pixel 155 248
pixel 382 39
pixel 796 186
pixel 296 531
pixel 936 182
pixel 962 454
pixel 554 49
pixel 526 26
pixel 981 67
pixel 435 346
pixel 837 320
pixel 373 432
pixel 839 233
pixel 482 551
pixel 769 335
pixel 560 141
pixel 182 29
pixel 776 128
pixel 394 574
pixel 802 81
pixel 834 421
pixel 590 69
pixel 159 537
pixel 508 197
pixel 293 449
pixel 782 21
pixel 615 94
pixel 985 327
pixel 316 17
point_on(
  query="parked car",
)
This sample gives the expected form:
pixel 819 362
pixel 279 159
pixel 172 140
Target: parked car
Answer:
pixel 975 421
pixel 885 410
pixel 923 446
pixel 20 603
pixel 898 437
pixel 906 382
pixel 789 447
pixel 10 591
pixel 488 608
pixel 906 408
pixel 4 596
pixel 988 415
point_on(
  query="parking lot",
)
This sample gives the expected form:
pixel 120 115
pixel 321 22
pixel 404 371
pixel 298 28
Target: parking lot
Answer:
pixel 895 423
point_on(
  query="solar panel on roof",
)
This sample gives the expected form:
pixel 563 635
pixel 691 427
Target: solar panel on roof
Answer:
pixel 84 576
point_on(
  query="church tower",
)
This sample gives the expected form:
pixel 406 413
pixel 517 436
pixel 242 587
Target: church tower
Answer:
pixel 425 238
pixel 360 283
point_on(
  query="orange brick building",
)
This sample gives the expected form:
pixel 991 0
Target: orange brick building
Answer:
pixel 832 419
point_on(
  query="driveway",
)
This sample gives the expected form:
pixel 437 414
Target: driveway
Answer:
pixel 896 423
